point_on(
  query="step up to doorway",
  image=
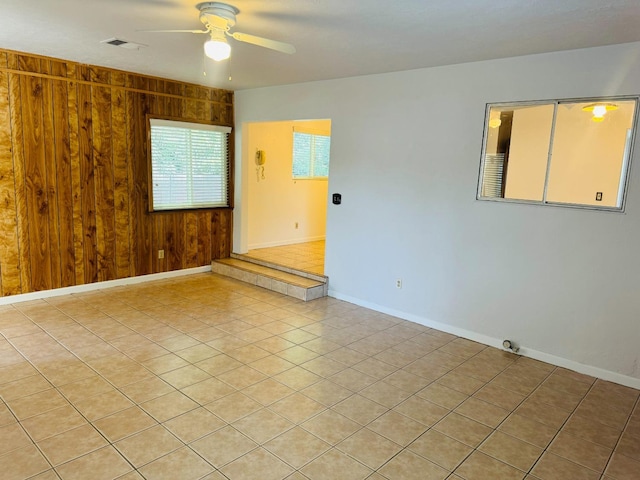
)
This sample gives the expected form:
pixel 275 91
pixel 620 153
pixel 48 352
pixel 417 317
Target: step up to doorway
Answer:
pixel 294 284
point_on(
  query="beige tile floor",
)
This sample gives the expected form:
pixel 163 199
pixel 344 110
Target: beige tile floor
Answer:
pixel 202 377
pixel 308 256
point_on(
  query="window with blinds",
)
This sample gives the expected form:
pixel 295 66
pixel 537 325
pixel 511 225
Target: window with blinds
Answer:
pixel 310 155
pixel 190 165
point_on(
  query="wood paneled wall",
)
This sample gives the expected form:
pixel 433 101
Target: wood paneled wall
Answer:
pixel 74 175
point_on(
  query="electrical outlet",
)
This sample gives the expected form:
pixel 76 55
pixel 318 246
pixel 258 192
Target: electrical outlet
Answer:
pixel 296 225
pixel 399 283
pixel 160 254
pixel 598 196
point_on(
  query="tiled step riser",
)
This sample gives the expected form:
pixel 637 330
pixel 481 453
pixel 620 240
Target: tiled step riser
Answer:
pixel 301 293
pixel 312 276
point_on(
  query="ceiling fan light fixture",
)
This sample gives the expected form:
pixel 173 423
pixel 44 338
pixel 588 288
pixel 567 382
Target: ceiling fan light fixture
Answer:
pixel 218 19
pixel 599 110
pixel 217 49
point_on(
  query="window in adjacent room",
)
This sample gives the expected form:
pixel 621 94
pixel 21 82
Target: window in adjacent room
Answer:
pixel 190 165
pixel 310 154
pixel 566 152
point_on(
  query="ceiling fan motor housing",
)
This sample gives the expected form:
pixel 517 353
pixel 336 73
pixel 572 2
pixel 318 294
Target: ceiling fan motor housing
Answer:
pixel 217 15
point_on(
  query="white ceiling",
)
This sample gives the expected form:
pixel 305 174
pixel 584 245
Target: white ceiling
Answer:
pixel 334 38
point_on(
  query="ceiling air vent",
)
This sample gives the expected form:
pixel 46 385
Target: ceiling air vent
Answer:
pixel 117 42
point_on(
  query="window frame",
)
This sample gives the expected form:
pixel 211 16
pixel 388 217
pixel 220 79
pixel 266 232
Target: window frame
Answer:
pixel 230 164
pixel 628 159
pixel 313 133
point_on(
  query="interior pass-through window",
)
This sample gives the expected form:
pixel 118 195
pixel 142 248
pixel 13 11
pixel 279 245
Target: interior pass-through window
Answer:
pixel 564 152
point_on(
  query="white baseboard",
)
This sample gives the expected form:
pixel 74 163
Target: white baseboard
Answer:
pixel 497 343
pixel 279 243
pixel 460 332
pixel 26 297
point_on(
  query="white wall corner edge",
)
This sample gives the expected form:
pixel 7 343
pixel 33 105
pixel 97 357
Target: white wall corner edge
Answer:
pixel 89 287
pixel 496 342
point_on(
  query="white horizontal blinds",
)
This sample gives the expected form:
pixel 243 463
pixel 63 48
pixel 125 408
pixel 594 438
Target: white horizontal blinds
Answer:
pixel 311 151
pixel 190 165
pixel 492 175
pixel 301 155
pixel 321 148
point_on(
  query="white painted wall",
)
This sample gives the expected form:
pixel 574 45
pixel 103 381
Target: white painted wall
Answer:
pixel 564 283
pixel 277 202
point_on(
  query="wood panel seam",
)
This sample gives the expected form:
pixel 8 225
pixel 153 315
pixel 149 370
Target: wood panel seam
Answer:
pixel 73 177
pixel 108 85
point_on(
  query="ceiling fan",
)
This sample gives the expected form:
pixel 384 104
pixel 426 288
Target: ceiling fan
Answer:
pixel 218 19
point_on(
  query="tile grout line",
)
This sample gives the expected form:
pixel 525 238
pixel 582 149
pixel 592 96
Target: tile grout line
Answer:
pixel 54 387
pixel 546 449
pixel 626 423
pixel 316 321
pixel 494 429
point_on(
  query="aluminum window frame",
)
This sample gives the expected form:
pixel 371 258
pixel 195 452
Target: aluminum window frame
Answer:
pixel 626 161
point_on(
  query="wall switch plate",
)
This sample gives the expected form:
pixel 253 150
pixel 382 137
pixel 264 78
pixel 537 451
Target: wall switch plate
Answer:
pixel 160 254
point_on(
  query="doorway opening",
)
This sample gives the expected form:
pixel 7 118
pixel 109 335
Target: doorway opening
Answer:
pixel 287 192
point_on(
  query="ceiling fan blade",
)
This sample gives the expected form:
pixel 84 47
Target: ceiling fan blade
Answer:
pixel 156 3
pixel 174 31
pixel 264 42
